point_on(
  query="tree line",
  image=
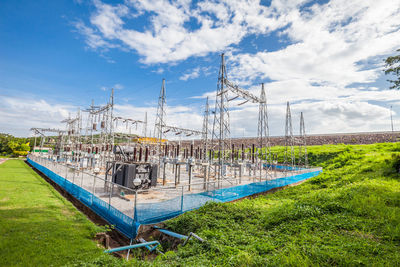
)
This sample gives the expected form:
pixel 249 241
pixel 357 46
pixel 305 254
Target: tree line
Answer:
pixel 15 146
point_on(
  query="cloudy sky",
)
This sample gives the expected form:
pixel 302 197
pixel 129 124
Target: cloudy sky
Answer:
pixel 324 57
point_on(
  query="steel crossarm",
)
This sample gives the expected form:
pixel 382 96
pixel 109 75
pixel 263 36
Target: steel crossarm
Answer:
pixel 242 92
pixel 52 130
pixel 128 120
pixel 181 130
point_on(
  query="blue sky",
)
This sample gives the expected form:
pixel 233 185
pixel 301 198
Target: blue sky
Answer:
pixel 325 57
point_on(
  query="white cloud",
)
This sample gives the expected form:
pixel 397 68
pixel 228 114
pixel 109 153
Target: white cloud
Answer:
pixel 343 116
pixel 330 48
pixel 331 44
pixel 192 74
pixel 116 86
pixel 92 37
pixel 18 115
pixel 167 38
pixel 195 73
pixel 158 71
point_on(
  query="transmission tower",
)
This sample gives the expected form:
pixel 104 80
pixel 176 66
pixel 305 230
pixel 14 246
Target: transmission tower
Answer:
pixel 289 140
pixel 204 135
pixel 159 124
pixel 302 143
pixel 220 137
pixel 263 131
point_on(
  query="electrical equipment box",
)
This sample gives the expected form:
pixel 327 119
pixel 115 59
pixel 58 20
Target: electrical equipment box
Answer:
pixel 135 176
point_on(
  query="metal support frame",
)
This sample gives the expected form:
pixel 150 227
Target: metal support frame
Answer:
pixel 303 157
pixel 263 133
pixel 220 137
pixel 289 157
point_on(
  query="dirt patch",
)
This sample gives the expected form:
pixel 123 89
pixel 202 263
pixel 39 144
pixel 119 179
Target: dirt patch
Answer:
pixel 361 235
pixel 3 160
pixel 67 212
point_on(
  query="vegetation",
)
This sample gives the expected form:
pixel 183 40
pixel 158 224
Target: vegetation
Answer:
pixel 392 66
pixel 349 215
pixel 14 146
pixel 38 227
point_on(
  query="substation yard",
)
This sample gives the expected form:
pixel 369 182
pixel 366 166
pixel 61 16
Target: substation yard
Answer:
pixel 122 198
pixel 135 179
pixel 128 208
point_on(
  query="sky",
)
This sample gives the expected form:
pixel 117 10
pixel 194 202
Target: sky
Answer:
pixel 325 57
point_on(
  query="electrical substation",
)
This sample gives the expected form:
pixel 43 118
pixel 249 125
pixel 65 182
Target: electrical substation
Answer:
pixel 132 179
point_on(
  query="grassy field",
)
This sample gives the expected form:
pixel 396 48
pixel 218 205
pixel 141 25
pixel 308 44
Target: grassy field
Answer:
pixel 38 227
pixel 349 215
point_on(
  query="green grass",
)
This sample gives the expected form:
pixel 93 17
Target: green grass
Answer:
pixel 349 215
pixel 38 227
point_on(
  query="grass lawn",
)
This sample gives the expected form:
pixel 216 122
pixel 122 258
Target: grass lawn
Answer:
pixel 38 227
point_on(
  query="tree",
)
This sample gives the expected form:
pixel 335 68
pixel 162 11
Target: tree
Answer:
pixel 392 66
pixel 13 145
pixel 24 147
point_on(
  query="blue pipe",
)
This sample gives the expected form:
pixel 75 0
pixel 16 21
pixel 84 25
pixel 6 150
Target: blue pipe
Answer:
pixel 147 245
pixel 170 233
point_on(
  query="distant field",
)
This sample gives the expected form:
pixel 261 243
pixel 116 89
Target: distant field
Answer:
pixel 347 216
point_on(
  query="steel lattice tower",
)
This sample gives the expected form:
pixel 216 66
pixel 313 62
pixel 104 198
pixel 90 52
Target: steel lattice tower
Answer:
pixel 220 137
pixel 204 136
pixel 289 140
pixel 263 130
pixel 159 124
pixel 302 143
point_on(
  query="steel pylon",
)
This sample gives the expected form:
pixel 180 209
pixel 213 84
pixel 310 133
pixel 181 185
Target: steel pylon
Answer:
pixel 220 137
pixel 263 133
pixel 289 157
pixel 204 135
pixel 303 157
